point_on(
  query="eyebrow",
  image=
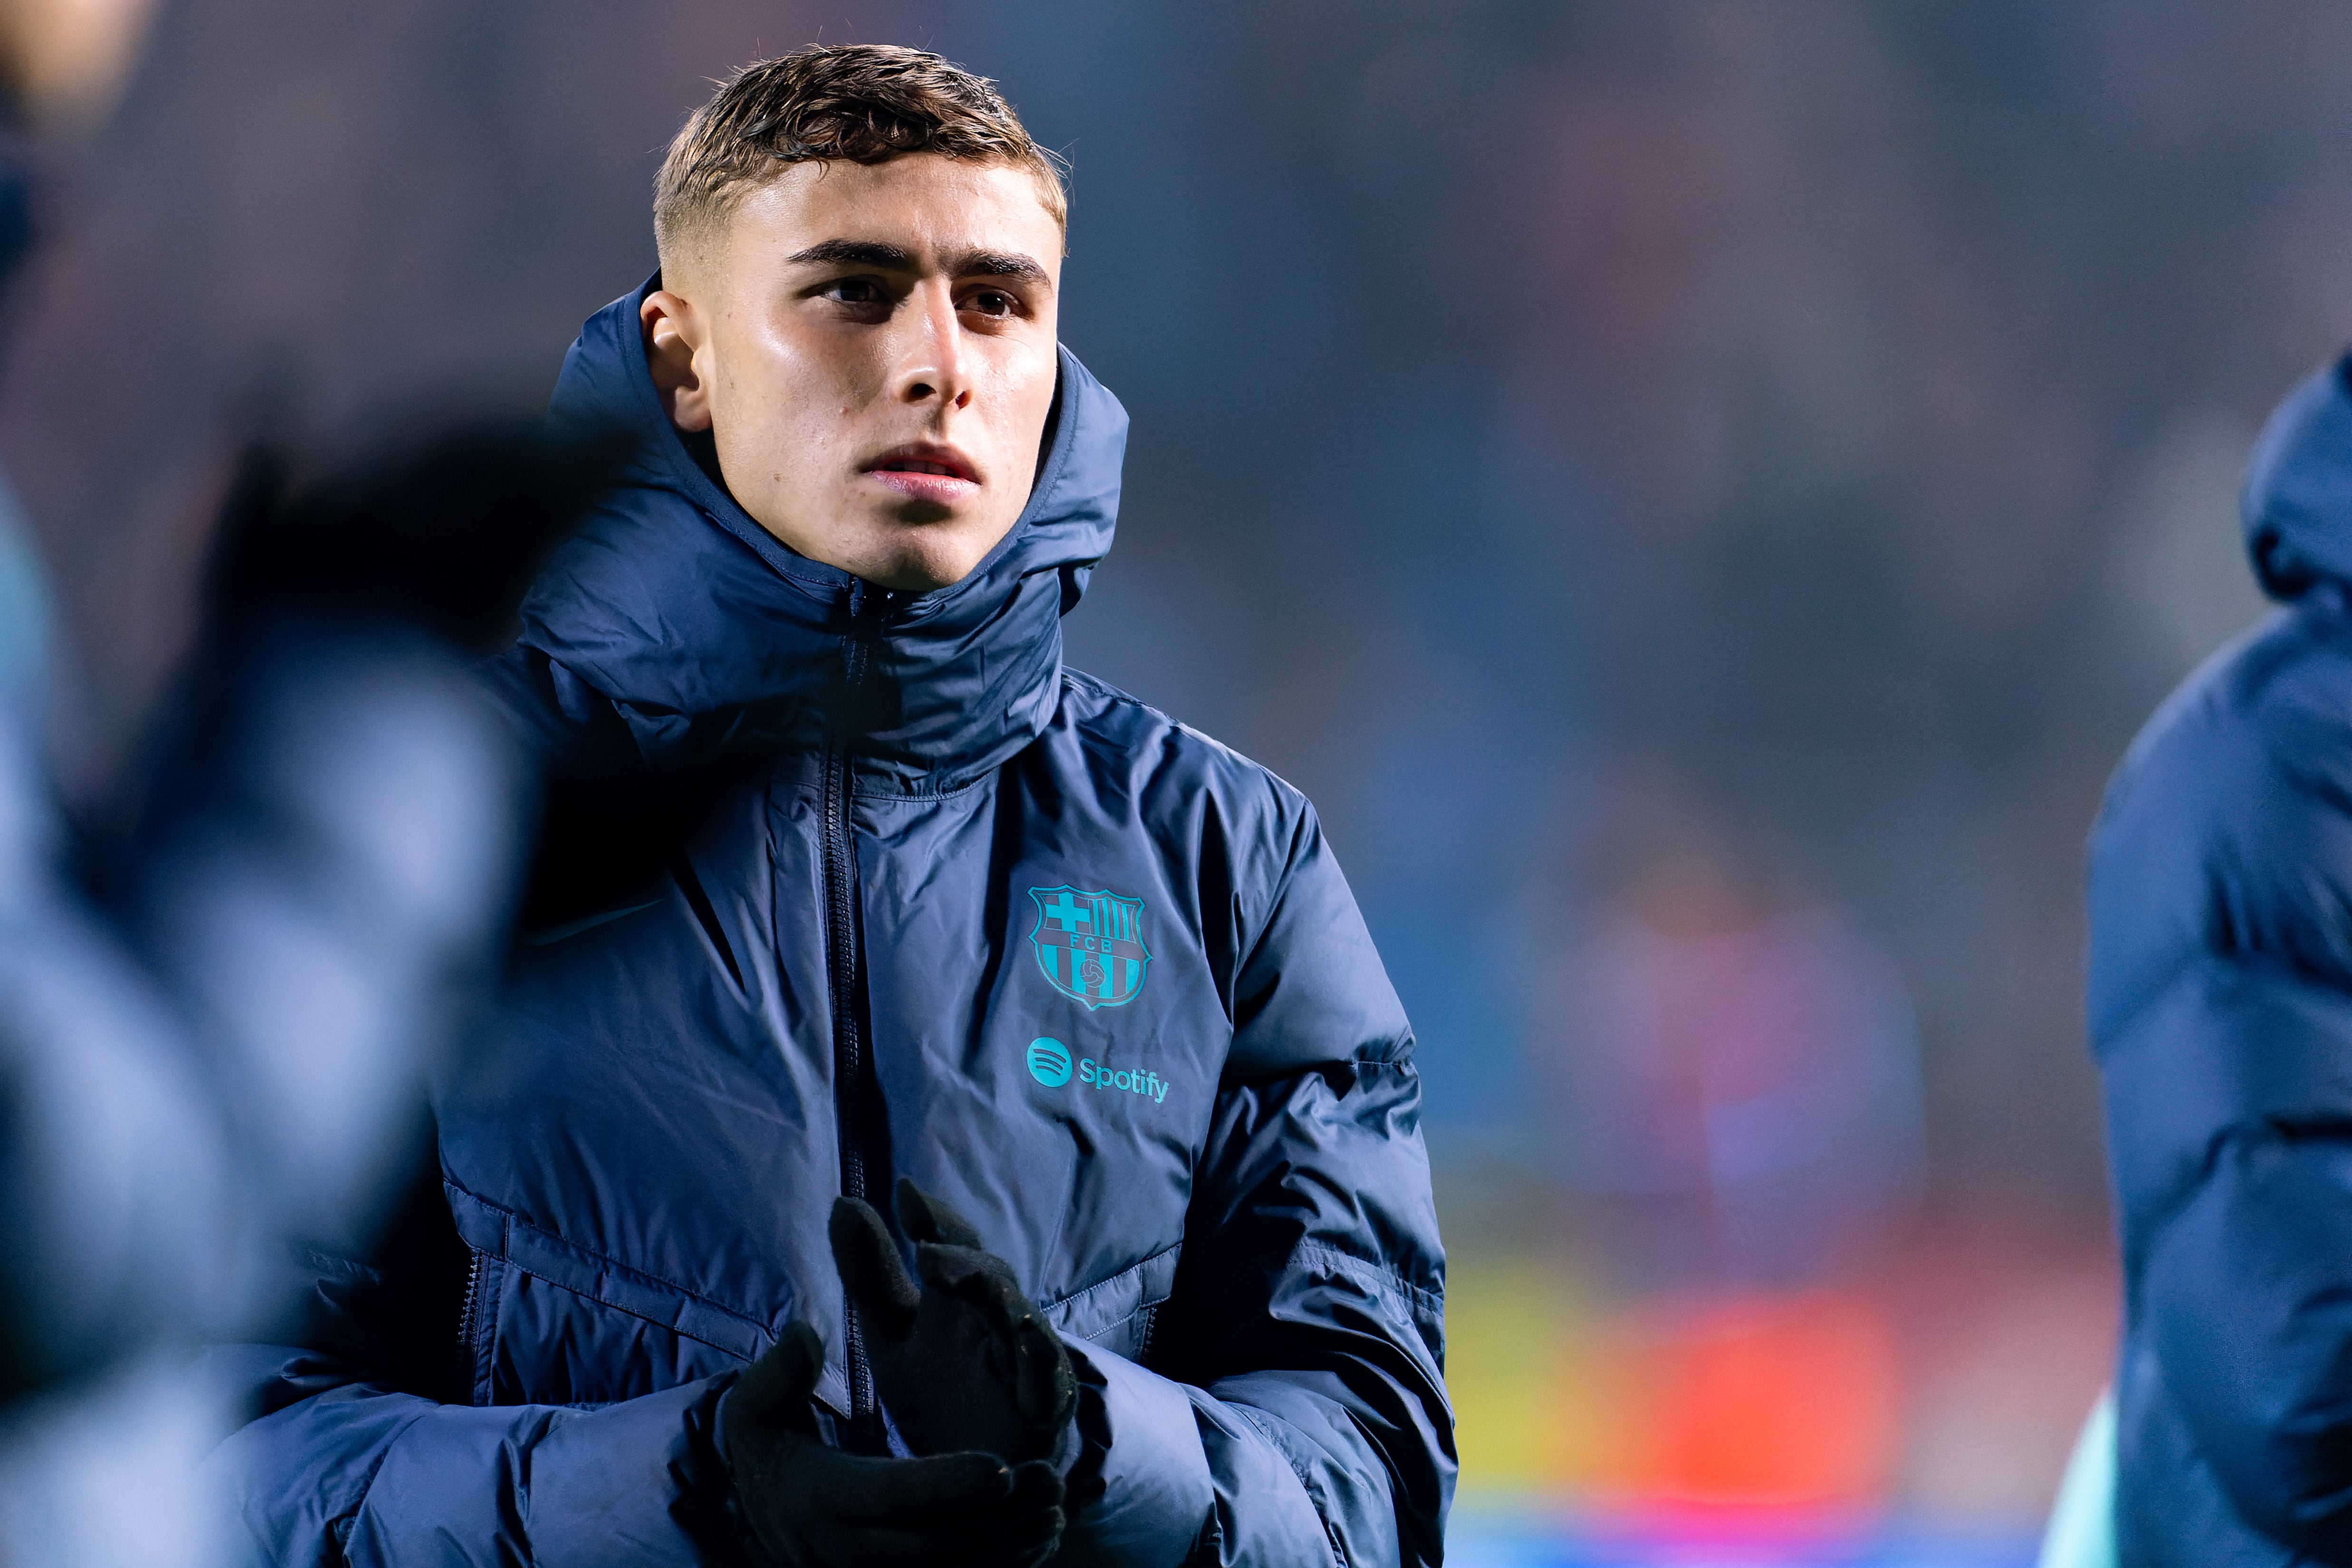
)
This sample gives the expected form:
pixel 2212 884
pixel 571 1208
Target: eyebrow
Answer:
pixel 889 257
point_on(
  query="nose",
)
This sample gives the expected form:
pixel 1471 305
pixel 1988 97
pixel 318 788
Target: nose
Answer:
pixel 934 369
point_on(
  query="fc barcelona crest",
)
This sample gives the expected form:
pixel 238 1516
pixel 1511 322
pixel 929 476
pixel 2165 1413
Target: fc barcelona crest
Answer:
pixel 1090 945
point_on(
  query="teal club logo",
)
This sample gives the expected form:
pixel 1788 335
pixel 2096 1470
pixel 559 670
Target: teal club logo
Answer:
pixel 1090 945
pixel 1049 1062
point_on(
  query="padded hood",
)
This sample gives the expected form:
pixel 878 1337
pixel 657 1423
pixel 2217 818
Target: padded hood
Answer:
pixel 706 629
pixel 2297 502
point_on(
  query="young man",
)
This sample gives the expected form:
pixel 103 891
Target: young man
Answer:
pixel 953 914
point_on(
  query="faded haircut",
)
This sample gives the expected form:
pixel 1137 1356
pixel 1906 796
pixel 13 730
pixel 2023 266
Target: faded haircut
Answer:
pixel 864 103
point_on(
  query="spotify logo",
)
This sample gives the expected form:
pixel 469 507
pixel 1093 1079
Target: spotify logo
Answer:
pixel 1049 1062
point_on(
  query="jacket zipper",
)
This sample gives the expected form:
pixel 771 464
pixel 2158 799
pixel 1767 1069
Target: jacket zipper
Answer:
pixel 474 1303
pixel 849 1063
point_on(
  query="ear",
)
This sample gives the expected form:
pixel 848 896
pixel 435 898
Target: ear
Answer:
pixel 674 337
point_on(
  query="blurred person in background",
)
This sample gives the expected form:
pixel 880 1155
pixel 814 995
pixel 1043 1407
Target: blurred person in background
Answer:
pixel 1733 1074
pixel 2221 1015
pixel 957 914
pixel 213 1047
pixel 1738 1069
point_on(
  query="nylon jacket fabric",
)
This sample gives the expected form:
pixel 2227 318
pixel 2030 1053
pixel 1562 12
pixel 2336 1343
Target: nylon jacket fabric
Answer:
pixel 1195 1141
pixel 2220 1014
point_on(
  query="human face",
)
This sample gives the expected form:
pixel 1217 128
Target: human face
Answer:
pixel 872 348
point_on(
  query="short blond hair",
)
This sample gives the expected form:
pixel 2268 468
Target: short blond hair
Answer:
pixel 864 103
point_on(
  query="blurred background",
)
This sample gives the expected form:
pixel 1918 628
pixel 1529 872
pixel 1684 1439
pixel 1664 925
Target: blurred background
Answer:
pixel 1700 494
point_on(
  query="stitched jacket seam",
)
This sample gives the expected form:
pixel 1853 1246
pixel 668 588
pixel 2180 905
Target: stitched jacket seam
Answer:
pixel 1109 1280
pixel 1421 1295
pixel 367 1486
pixel 513 1221
pixel 1258 1423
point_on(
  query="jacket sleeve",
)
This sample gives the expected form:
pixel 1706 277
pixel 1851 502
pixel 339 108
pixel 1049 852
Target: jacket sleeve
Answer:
pixel 2221 993
pixel 364 1453
pixel 1294 1410
pixel 364 1475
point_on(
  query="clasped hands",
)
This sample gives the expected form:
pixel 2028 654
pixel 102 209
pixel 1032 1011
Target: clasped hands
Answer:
pixel 976 1382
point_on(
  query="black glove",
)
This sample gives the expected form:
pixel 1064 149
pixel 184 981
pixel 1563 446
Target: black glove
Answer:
pixel 965 1362
pixel 817 1507
pixel 446 533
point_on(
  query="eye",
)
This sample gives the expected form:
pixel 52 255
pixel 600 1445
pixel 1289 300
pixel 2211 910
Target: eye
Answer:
pixel 990 302
pixel 855 291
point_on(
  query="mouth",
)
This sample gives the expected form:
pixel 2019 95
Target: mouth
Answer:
pixel 926 471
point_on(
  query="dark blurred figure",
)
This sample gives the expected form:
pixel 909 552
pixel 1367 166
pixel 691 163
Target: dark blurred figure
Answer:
pixel 2221 1012
pixel 212 1048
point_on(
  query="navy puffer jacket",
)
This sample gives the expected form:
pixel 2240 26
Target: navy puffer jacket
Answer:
pixel 2221 1012
pixel 976 918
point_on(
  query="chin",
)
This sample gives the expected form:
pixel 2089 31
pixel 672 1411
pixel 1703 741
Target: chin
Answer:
pixel 932 575
pixel 919 573
pixel 932 556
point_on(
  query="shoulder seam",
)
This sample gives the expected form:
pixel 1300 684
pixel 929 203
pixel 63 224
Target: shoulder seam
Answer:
pixel 1200 737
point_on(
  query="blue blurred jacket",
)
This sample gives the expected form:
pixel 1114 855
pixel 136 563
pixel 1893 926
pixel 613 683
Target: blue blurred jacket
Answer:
pixel 840 981
pixel 2220 1013
pixel 226 1051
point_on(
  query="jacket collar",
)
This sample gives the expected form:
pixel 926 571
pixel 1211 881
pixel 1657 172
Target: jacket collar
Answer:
pixel 704 629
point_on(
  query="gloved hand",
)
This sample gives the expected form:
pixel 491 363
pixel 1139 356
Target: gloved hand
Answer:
pixel 817 1507
pixel 446 533
pixel 966 1361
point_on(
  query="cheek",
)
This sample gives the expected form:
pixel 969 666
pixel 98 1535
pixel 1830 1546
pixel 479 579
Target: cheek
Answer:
pixel 780 372
pixel 786 401
pixel 1025 396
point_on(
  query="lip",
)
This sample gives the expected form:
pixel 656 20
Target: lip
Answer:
pixel 926 471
